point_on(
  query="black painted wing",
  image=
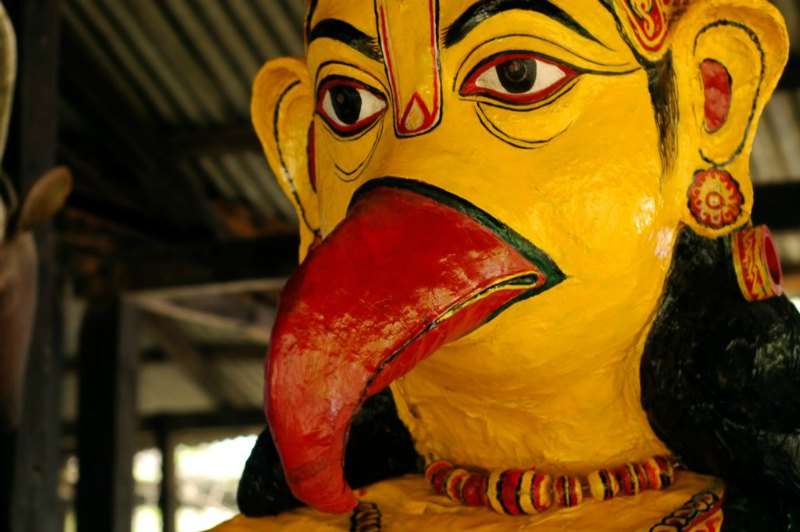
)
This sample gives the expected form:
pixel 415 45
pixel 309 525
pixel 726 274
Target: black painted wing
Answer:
pixel 721 385
pixel 379 448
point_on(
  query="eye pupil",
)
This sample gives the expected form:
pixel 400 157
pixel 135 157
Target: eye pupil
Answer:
pixel 346 103
pixel 518 75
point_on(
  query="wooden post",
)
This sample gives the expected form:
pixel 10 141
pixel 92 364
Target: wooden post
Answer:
pixel 31 152
pixel 97 364
pixel 167 497
pixel 127 420
pixel 107 423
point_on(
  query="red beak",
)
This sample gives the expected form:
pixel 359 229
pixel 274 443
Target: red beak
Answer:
pixel 409 269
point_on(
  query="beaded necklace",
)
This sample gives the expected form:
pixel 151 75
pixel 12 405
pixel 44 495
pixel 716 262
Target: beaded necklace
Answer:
pixel 528 491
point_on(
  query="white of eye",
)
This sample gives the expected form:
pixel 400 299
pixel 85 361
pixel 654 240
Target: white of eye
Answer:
pixel 370 106
pixel 547 75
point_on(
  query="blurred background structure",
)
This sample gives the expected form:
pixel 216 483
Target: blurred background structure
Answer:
pixel 145 386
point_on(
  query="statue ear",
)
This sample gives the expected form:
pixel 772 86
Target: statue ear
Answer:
pixel 282 107
pixel 728 57
pixel 45 198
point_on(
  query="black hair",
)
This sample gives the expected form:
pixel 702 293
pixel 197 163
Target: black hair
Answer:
pixel 720 379
pixel 379 447
pixel 661 82
pixel 312 6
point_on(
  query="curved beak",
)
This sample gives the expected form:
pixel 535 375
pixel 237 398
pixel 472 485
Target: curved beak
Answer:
pixel 411 268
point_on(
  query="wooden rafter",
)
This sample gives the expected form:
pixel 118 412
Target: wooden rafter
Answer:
pixel 194 364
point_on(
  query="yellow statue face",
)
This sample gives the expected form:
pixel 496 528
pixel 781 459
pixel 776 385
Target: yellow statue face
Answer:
pixel 565 152
pixel 594 130
pixel 541 116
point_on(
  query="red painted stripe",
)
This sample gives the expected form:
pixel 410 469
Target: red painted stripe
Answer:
pixel 509 492
pixel 473 491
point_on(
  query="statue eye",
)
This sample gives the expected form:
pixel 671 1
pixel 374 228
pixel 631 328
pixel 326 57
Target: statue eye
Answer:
pixel 349 106
pixel 517 78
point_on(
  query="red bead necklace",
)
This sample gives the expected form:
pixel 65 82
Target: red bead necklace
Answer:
pixel 528 491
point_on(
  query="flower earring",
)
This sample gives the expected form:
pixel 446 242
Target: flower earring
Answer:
pixel 715 199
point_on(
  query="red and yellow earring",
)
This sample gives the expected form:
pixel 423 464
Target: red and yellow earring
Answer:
pixel 715 199
pixel 757 263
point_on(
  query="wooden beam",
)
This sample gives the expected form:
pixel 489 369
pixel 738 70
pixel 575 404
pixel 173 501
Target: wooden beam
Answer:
pixel 215 354
pixel 93 186
pixel 213 141
pixel 164 309
pixel 193 364
pixel 31 152
pixel 218 419
pixel 236 418
pixel 267 286
pixel 777 205
pixel 179 144
pixel 134 264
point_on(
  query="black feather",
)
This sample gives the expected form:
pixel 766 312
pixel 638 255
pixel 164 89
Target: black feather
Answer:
pixel 720 381
pixel 379 447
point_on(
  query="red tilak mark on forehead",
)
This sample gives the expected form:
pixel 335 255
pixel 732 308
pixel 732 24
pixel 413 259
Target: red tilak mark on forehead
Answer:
pixel 649 25
pixel 428 117
pixel 416 118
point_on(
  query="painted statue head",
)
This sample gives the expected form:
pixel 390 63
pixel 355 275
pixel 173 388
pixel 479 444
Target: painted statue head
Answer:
pixel 490 194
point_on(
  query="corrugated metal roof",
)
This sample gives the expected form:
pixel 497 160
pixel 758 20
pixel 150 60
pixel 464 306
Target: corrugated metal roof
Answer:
pixel 189 64
pixel 186 62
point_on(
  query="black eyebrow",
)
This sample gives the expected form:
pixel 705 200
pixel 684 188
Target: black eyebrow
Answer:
pixel 309 15
pixel 342 31
pixel 484 9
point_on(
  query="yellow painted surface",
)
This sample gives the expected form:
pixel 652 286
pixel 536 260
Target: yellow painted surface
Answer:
pixel 406 504
pixel 554 380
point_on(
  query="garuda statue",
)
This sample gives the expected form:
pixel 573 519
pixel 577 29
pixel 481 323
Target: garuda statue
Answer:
pixel 530 221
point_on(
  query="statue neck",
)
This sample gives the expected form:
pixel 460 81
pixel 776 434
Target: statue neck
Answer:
pixel 564 424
